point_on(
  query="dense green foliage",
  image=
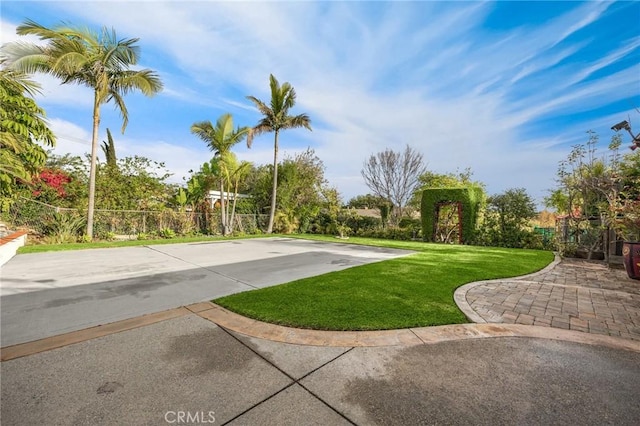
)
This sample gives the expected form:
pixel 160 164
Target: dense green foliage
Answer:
pixel 302 191
pixel 471 199
pixel 507 221
pixel 597 191
pixel 23 133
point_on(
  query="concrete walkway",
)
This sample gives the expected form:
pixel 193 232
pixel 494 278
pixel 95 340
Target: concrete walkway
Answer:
pixel 571 295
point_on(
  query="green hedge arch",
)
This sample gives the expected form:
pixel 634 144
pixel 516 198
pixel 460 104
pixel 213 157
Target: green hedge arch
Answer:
pixel 471 199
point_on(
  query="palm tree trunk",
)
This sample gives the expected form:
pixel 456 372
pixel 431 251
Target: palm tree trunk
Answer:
pixel 229 219
pixel 235 198
pixel 92 168
pixel 223 214
pixel 272 213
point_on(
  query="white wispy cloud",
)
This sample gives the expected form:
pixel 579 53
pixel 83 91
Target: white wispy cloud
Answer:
pixel 376 75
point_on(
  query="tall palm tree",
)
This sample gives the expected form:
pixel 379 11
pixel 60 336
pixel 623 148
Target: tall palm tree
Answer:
pixel 220 139
pixel 94 59
pixel 276 118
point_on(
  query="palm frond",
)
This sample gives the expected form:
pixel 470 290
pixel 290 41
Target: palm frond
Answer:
pixel 145 81
pixel 297 121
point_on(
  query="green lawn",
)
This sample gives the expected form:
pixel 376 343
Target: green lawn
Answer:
pixel 39 248
pixel 411 291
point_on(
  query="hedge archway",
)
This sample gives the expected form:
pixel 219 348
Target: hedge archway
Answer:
pixel 470 199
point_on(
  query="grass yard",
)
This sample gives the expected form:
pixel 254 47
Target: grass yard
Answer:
pixel 412 291
pixel 39 248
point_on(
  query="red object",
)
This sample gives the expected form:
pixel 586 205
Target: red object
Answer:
pixel 54 179
pixel 631 259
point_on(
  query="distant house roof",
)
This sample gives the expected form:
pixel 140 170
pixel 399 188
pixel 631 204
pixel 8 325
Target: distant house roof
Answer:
pixel 214 197
pixel 227 195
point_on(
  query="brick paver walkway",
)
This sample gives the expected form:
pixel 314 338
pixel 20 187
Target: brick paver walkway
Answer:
pixel 574 295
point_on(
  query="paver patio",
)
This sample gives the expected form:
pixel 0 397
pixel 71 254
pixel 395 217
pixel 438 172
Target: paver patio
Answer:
pixel 573 295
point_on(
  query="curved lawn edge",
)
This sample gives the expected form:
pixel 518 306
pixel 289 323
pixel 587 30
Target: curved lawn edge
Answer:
pixel 460 294
pixel 412 291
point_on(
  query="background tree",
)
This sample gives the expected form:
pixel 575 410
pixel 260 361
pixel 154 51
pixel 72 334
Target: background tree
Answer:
pixel 109 150
pixel 220 139
pixel 97 60
pixel 301 184
pixel 589 186
pixel 394 175
pixel 23 133
pixel 507 219
pixel 136 183
pixel 236 173
pixel 276 118
pixel 367 201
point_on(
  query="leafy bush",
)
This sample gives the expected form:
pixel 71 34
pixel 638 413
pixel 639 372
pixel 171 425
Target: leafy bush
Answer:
pixel 393 233
pixel 167 233
pixel 62 227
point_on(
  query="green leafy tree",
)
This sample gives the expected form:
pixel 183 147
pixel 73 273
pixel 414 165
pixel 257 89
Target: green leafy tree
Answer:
pixel 259 183
pixel 197 190
pixel 98 60
pixel 276 118
pixel 220 139
pixel 507 220
pixel 23 133
pixel 589 187
pixel 136 183
pixel 367 201
pixel 300 186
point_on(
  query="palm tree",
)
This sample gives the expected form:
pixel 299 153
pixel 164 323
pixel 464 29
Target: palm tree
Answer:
pixel 276 118
pixel 236 173
pixel 220 139
pixel 94 59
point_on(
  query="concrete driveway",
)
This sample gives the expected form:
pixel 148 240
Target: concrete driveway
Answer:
pixel 201 364
pixel 47 294
pixel 188 366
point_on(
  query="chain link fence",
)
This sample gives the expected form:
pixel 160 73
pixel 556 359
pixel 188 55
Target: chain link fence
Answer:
pixel 44 220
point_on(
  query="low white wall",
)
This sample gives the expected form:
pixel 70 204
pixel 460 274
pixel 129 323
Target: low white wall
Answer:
pixel 9 248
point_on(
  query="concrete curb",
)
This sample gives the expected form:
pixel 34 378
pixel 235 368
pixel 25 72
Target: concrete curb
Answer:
pixel 402 337
pixel 25 349
pixel 249 327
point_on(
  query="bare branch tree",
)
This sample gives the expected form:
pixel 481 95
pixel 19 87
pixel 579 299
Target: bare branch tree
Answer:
pixel 394 175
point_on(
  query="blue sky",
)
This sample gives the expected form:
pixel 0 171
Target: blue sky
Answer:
pixel 505 88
